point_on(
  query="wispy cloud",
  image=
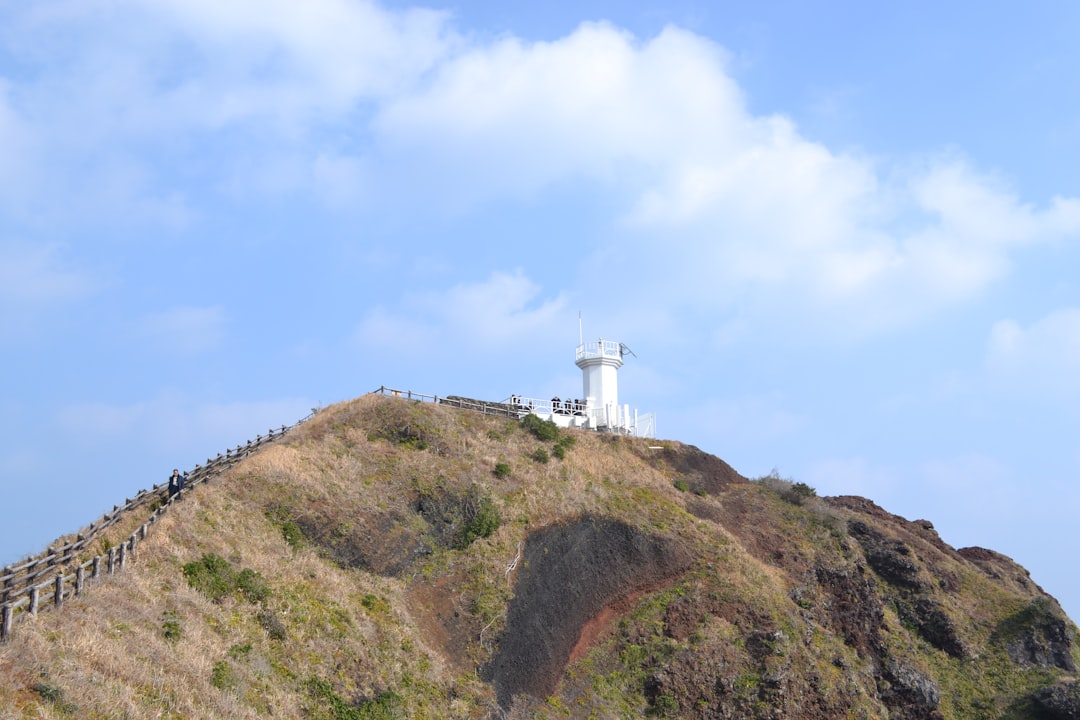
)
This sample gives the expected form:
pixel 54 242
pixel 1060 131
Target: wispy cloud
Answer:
pixel 186 330
pixel 174 419
pixel 36 279
pixel 505 311
pixel 1043 357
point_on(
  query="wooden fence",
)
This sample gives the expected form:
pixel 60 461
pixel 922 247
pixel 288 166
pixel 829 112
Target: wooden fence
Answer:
pixel 48 579
pixel 481 406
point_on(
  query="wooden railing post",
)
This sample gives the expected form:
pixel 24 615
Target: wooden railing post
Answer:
pixel 112 560
pixel 80 576
pixel 5 623
pixel 58 590
pixel 123 555
pixel 96 572
pixel 33 600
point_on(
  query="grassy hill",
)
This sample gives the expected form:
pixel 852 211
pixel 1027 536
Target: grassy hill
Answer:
pixel 394 559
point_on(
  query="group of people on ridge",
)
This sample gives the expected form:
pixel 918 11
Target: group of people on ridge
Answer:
pixel 558 406
pixel 567 407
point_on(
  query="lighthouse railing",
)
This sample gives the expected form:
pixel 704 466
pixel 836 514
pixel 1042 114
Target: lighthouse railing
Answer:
pixel 599 349
pixel 570 407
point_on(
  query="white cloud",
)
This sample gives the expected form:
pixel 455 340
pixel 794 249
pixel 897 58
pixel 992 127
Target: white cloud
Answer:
pixel 208 63
pixel 32 275
pixel 942 490
pixel 132 107
pixel 721 206
pixel 35 279
pixel 171 420
pixel 186 330
pixel 283 59
pixel 715 207
pixel 796 231
pixel 1043 357
pixel 515 116
pixel 951 487
pixel 505 311
pixel 853 476
pixel 14 141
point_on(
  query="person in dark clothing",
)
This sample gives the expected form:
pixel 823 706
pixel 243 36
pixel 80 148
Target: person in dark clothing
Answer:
pixel 176 483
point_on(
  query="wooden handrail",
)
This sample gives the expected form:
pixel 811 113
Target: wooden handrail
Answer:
pixel 20 594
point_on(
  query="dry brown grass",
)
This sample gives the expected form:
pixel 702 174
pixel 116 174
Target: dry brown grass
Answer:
pixel 366 461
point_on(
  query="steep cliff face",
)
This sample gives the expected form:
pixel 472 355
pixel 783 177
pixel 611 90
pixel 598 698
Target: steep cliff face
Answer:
pixel 398 559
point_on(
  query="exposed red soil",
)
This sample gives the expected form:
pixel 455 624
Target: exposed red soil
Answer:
pixel 437 609
pixel 598 626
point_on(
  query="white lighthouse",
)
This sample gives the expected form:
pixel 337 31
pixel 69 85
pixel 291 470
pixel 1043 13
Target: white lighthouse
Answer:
pixel 600 362
pixel 598 408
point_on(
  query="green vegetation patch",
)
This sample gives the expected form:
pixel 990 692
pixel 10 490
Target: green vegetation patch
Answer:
pixel 375 604
pixel 331 706
pixel 545 430
pixel 171 629
pixel 482 520
pixel 54 696
pixel 215 577
pixel 796 493
pixel 286 522
pixel 457 518
pixel 223 676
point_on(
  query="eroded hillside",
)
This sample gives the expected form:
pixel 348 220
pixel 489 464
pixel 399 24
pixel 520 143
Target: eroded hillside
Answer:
pixel 396 559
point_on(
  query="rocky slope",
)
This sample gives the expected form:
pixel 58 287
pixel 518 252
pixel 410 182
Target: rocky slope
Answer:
pixel 397 559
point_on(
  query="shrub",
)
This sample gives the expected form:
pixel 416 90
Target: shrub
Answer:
pixel 170 626
pixel 386 706
pixel 222 676
pixel 375 604
pixel 239 650
pixel 564 443
pixel 215 577
pixel 482 523
pixel 799 493
pixel 545 430
pixel 502 470
pixel 55 695
pixel 663 706
pixel 212 575
pixel 290 529
pixel 681 485
pixel 252 586
pixel 540 455
pixel 272 624
pixel 795 493
pixel 294 536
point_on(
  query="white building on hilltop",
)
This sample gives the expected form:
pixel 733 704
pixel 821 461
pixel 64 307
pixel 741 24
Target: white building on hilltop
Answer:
pixel 598 408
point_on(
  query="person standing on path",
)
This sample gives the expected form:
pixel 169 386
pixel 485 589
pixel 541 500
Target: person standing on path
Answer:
pixel 176 483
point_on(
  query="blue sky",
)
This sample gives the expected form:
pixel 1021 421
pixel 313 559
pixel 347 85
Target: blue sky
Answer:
pixel 843 241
